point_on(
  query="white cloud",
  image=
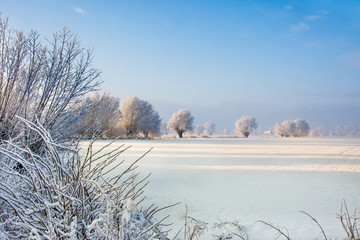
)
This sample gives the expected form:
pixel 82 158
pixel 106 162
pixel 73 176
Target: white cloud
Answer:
pixel 79 10
pixel 300 27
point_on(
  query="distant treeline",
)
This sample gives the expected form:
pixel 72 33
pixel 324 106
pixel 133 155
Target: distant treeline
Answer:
pixel 134 118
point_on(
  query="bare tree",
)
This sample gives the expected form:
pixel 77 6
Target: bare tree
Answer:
pixel 209 128
pixel 44 82
pixel 181 122
pixel 245 125
pixel 139 116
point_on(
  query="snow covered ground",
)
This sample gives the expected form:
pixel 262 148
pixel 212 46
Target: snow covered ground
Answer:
pixel 268 179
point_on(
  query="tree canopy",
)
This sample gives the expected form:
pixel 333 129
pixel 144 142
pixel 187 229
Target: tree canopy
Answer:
pixel 181 122
pixel 139 116
pixel 292 128
pixel 245 125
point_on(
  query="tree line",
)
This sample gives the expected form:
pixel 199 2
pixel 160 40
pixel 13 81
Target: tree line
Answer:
pixel 133 117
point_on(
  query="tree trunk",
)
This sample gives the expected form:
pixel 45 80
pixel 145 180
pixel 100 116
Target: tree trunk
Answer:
pixel 180 133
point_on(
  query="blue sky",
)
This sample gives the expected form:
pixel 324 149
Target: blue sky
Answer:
pixel 274 60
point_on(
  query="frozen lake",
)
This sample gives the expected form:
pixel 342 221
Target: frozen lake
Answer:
pixel 268 179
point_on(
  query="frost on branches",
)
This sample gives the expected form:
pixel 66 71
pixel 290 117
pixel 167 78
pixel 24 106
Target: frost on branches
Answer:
pixel 245 125
pixel 62 195
pixel 181 122
pixel 43 80
pixel 289 128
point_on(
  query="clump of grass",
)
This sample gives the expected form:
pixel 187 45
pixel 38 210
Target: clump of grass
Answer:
pixel 62 194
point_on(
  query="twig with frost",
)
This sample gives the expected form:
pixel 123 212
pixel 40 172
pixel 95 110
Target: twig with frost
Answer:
pixel 312 218
pixel 233 229
pixel 61 195
pixel 193 228
pixel 350 223
pixel 279 232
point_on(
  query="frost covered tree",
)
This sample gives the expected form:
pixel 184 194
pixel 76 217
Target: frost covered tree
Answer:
pixel 181 122
pixel 278 130
pixel 139 116
pixel 151 125
pixel 289 128
pixel 209 128
pixel 228 131
pixel 302 128
pixel 102 116
pixel 347 131
pixel 199 129
pixel 292 128
pixel 42 82
pixel 163 128
pixel 245 125
pixel 319 132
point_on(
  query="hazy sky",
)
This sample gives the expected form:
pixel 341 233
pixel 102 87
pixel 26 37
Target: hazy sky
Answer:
pixel 274 60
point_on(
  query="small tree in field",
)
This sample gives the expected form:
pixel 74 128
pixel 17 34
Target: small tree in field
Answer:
pixel 209 128
pixel 319 132
pixel 245 125
pixel 199 129
pixel 181 122
pixel 228 131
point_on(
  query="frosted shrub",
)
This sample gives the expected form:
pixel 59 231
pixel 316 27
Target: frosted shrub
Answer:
pixel 45 80
pixel 62 195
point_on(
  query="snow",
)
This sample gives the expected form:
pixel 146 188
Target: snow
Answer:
pixel 246 180
pixel 129 209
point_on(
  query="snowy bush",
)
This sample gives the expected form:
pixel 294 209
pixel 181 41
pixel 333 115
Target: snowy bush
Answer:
pixel 43 80
pixel 63 195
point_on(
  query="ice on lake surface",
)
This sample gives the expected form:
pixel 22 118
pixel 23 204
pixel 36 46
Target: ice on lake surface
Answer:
pixel 268 179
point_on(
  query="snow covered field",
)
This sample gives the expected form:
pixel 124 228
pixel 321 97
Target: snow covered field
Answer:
pixel 268 179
